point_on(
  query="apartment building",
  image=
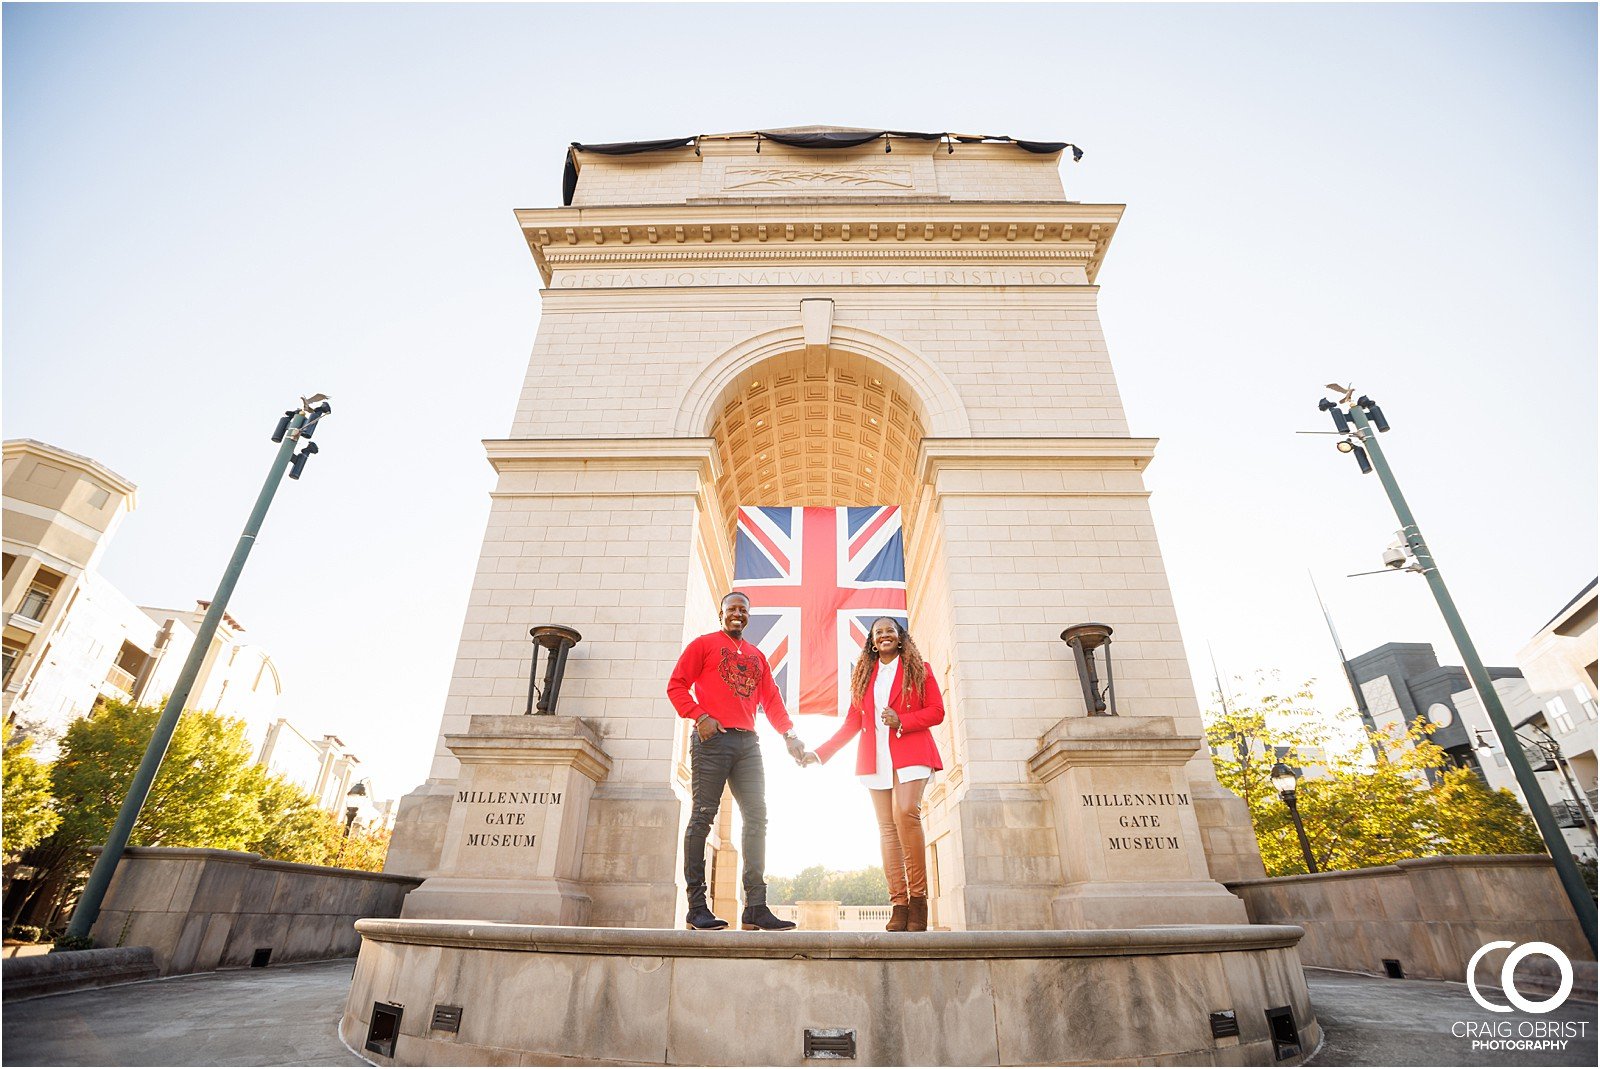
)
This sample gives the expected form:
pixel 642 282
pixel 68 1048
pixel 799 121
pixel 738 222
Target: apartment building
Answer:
pixel 1548 697
pixel 72 638
pixel 60 512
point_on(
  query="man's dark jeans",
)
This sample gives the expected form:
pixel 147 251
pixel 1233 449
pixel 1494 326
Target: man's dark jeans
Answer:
pixel 732 758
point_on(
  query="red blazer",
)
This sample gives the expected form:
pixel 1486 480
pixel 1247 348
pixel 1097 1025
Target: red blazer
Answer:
pixel 913 746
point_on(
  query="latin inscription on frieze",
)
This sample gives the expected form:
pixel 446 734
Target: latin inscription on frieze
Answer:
pixel 821 276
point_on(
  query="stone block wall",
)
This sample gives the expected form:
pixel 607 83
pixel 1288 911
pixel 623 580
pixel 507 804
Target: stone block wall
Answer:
pixel 618 363
pixel 209 909
pixel 1431 915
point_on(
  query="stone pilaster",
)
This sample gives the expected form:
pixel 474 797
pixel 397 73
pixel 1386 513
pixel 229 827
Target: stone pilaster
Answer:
pixel 1035 535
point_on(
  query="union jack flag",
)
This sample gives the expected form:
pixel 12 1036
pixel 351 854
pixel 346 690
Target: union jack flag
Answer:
pixel 817 578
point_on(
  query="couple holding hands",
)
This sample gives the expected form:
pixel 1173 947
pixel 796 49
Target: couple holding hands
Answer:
pixel 720 680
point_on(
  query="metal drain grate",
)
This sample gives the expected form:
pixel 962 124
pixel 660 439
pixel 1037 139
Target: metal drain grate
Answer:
pixel 830 1044
pixel 1224 1023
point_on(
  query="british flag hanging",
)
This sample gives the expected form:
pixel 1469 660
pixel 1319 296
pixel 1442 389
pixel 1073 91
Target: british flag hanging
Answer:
pixel 817 578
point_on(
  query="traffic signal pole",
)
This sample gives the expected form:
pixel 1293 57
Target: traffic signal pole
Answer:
pixel 1555 841
pixel 290 431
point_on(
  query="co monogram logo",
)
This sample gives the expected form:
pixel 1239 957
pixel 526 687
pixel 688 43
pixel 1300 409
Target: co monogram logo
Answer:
pixel 1508 980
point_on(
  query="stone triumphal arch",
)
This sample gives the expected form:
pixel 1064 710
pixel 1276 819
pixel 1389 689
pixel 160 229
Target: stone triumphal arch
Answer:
pixel 824 317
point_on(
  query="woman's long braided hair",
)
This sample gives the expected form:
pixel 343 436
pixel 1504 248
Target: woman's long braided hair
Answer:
pixel 916 670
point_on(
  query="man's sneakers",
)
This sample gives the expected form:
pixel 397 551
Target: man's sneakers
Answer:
pixel 760 918
pixel 702 919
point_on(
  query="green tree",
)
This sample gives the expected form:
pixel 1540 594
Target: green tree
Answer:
pixel 365 849
pixel 858 887
pixel 206 794
pixel 1469 818
pixel 294 827
pixel 1360 809
pixel 30 813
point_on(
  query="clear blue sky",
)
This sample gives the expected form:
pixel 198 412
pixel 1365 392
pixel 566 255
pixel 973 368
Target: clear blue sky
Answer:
pixel 210 210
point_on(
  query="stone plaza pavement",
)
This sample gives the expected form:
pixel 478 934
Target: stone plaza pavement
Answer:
pixel 287 1015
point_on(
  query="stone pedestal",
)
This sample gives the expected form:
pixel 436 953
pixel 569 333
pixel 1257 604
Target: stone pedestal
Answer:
pixel 1130 844
pixel 514 842
pixel 818 916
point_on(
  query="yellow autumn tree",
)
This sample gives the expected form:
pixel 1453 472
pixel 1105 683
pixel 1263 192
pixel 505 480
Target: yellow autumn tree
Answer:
pixel 1365 799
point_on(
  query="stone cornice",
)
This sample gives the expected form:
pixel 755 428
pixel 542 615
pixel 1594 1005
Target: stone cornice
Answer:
pixel 1081 253
pixel 670 943
pixel 1098 453
pixel 1075 742
pixel 653 454
pixel 873 232
pixel 578 754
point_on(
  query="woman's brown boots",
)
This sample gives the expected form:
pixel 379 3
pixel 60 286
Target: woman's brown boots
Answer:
pixel 910 918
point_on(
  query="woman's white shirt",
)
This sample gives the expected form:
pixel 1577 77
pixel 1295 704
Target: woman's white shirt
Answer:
pixel 883 777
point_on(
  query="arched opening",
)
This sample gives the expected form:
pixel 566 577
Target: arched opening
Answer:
pixel 792 430
pixel 840 432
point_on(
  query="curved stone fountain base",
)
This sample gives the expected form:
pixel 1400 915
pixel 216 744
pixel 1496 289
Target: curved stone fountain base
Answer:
pixel 538 995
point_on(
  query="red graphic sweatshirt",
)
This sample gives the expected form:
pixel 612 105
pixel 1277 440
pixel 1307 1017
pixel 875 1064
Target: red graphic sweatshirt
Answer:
pixel 730 678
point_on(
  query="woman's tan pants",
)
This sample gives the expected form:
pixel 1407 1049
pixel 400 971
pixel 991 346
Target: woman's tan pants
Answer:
pixel 899 811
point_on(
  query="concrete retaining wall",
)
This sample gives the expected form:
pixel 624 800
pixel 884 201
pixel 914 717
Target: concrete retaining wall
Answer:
pixel 535 995
pixel 208 909
pixel 74 970
pixel 1430 915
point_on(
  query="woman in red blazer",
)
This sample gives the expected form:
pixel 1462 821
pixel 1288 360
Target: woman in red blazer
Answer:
pixel 894 700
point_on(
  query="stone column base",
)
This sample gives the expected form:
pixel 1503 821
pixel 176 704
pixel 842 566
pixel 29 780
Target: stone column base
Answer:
pixel 535 901
pixel 1142 905
pixel 632 855
pixel 418 837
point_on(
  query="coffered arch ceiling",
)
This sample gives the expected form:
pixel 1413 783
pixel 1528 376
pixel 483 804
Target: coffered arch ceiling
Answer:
pixel 840 431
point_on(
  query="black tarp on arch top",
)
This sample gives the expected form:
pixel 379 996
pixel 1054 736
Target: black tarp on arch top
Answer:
pixel 818 139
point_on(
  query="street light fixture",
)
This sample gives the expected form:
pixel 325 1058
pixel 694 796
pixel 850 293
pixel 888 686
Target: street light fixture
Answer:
pixel 1362 420
pixel 352 809
pixel 1284 781
pixel 296 425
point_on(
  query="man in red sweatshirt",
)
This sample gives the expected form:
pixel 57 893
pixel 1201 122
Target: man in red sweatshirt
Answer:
pixel 730 678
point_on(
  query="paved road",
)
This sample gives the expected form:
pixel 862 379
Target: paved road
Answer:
pixel 288 1015
pixel 1368 1021
pixel 280 1015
